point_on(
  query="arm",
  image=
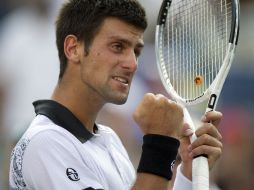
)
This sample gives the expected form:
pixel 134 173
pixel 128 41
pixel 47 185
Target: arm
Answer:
pixel 163 118
pixel 158 115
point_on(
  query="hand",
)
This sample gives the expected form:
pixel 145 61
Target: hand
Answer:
pixel 208 142
pixel 156 114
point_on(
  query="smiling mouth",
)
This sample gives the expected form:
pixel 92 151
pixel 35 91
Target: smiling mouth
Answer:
pixel 122 80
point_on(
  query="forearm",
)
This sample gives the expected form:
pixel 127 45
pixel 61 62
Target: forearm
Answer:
pixel 155 167
pixel 161 121
pixel 153 182
pixel 146 181
pixel 186 170
pixel 181 181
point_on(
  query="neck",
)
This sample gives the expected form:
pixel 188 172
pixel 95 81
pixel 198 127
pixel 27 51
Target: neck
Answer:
pixel 84 106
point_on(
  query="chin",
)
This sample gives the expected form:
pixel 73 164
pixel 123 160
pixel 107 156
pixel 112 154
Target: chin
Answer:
pixel 118 100
pixel 116 97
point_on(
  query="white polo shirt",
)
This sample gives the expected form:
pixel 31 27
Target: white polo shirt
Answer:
pixel 57 152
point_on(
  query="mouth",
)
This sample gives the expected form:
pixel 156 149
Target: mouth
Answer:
pixel 122 80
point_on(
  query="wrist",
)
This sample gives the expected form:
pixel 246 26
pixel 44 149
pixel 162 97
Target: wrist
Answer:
pixel 186 170
pixel 158 155
pixel 170 134
pixel 181 182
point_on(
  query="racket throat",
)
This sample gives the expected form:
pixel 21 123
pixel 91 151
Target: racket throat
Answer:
pixel 212 103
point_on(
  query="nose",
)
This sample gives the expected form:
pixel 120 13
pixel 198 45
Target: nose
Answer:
pixel 130 63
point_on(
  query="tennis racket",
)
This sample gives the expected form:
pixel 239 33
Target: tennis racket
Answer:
pixel 195 44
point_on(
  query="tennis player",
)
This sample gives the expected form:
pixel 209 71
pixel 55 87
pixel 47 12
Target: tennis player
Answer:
pixel 99 42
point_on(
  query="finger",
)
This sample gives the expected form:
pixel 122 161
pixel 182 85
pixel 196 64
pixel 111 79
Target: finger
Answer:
pixel 164 100
pixel 186 131
pixel 185 136
pixel 213 117
pixel 158 96
pixel 205 139
pixel 148 97
pixel 210 129
pixel 213 153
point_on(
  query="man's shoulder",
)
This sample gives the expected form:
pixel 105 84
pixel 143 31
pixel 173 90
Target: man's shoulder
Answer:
pixel 42 134
pixel 43 126
pixel 38 141
pixel 105 130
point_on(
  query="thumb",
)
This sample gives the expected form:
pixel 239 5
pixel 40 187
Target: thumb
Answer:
pixel 186 131
pixel 185 142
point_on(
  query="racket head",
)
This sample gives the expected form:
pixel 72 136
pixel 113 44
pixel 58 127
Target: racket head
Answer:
pixel 194 43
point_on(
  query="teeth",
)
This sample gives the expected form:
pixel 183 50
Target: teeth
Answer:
pixel 121 80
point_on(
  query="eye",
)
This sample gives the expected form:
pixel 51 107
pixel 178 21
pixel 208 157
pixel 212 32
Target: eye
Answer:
pixel 137 52
pixel 117 47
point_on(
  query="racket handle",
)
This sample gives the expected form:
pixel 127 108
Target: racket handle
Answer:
pixel 200 167
pixel 200 173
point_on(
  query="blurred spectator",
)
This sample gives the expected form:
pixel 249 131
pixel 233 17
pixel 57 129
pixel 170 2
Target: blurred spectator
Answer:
pixel 27 55
pixel 4 8
pixel 236 168
pixel 27 51
pixel 2 140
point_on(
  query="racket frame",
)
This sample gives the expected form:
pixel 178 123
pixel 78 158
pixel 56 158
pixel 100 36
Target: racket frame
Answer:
pixel 200 168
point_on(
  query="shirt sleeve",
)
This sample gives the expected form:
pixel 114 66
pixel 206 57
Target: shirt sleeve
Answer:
pixel 181 182
pixel 51 161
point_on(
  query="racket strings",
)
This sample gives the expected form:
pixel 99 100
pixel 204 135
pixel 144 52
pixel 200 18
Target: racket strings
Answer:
pixel 194 44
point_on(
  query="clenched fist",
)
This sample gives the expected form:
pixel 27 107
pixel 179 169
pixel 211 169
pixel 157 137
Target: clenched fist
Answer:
pixel 156 114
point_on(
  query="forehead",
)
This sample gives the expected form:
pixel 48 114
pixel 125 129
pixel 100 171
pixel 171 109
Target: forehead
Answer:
pixel 113 28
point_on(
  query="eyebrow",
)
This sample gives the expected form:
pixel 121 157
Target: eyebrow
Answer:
pixel 140 44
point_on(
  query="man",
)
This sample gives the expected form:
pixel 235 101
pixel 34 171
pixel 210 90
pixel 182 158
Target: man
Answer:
pixel 99 42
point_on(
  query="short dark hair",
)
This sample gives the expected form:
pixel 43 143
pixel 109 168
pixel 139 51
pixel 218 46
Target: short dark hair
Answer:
pixel 83 19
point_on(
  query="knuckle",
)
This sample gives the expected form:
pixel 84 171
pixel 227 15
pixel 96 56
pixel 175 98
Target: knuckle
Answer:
pixel 215 153
pixel 178 108
pixel 159 96
pixel 149 99
pixel 206 138
pixel 199 150
pixel 203 149
pixel 220 145
pixel 210 127
pixel 162 99
pixel 203 139
pixel 149 96
pixel 219 151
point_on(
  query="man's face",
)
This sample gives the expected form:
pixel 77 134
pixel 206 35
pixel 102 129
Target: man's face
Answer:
pixel 109 67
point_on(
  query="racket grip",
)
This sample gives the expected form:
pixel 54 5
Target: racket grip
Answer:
pixel 200 168
pixel 200 173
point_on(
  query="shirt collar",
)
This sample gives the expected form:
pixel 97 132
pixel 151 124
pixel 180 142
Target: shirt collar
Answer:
pixel 62 117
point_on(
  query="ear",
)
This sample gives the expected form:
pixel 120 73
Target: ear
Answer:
pixel 71 48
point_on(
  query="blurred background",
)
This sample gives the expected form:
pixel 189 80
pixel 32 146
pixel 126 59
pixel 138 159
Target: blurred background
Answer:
pixel 29 69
